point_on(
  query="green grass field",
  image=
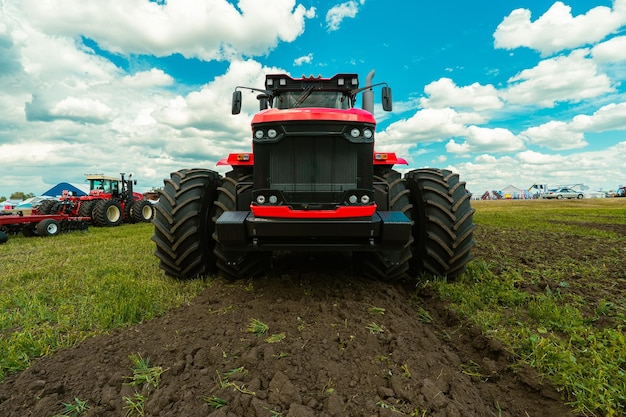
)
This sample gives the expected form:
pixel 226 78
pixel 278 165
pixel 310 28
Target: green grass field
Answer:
pixel 548 279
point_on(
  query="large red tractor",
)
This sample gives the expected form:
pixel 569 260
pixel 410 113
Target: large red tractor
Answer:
pixel 313 182
pixel 110 202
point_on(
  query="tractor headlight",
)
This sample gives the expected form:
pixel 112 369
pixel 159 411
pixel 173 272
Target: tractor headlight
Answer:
pixel 271 133
pixel 260 199
pixel 273 199
pixel 365 199
pixel 352 199
pixel 355 133
pixel 368 133
pixel 259 134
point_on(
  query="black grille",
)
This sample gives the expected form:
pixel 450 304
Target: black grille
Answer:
pixel 313 169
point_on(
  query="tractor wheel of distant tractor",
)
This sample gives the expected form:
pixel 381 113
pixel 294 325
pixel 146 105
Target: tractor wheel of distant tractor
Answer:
pixel 4 238
pixel 141 211
pixel 86 208
pixel 48 227
pixel 183 224
pixel 443 225
pixel 237 265
pixel 107 213
pixel 46 207
pixel 388 265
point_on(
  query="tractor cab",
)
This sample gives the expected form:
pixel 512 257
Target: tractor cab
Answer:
pixel 102 184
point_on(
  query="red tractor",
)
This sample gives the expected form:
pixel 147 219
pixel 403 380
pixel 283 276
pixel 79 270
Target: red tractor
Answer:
pixel 110 202
pixel 313 182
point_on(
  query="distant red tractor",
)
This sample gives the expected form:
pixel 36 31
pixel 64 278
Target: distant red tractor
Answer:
pixel 314 182
pixel 110 202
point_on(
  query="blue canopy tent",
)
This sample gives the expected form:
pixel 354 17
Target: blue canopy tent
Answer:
pixel 58 189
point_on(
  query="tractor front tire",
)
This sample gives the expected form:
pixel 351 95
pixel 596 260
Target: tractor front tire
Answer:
pixel 141 211
pixel 240 264
pixel 107 213
pixel 86 208
pixel 183 223
pixel 443 226
pixel 388 265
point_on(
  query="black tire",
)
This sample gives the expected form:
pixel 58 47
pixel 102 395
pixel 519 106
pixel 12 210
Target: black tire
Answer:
pixel 46 207
pixel 4 238
pixel 580 196
pixel 86 208
pixel 183 224
pixel 559 197
pixel 141 211
pixel 239 265
pixel 107 213
pixel 443 227
pixel 387 265
pixel 48 227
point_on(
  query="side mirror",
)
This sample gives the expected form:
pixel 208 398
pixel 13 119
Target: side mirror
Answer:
pixel 386 99
pixel 236 106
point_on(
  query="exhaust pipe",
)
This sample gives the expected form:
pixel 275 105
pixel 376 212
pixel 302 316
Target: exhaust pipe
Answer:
pixel 368 95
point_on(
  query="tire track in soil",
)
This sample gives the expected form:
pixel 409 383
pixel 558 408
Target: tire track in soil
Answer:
pixel 328 364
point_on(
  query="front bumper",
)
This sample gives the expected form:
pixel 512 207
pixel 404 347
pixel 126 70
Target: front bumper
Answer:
pixel 242 231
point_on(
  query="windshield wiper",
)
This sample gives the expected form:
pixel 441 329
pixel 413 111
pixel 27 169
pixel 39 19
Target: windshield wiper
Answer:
pixel 305 94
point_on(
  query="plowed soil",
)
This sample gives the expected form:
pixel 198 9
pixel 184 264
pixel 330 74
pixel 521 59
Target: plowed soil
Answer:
pixel 332 361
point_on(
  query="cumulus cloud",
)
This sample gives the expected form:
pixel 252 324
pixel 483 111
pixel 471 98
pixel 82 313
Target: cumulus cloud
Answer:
pixel 306 59
pixel 145 79
pixel 194 28
pixel 429 125
pixel 339 12
pixel 555 135
pixel 487 172
pixel 613 50
pixel 559 135
pixel 445 93
pixel 557 30
pixel 563 78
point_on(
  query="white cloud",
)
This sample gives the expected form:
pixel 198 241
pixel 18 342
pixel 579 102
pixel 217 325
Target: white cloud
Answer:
pixel 429 125
pixel 555 135
pixel 144 79
pixel 445 93
pixel 525 168
pixel 563 78
pixel 338 13
pixel 613 50
pixel 207 30
pixel 306 59
pixel 561 135
pixel 557 29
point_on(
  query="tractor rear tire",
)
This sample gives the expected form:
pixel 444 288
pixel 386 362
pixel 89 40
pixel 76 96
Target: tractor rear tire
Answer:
pixel 238 265
pixel 107 213
pixel 141 211
pixel 443 228
pixel 46 207
pixel 4 238
pixel 183 224
pixel 388 265
pixel 48 227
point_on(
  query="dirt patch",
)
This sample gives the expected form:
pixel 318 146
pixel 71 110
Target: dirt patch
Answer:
pixel 331 361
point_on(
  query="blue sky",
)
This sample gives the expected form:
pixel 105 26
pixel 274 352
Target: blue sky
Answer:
pixel 504 92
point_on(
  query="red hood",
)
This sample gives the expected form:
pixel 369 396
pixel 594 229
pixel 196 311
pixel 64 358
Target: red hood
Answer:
pixel 313 113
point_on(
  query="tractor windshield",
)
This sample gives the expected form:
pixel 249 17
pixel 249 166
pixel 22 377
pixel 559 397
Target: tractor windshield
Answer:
pixel 327 99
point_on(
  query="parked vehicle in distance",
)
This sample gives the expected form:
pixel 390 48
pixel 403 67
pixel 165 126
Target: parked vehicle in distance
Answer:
pixel 564 192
